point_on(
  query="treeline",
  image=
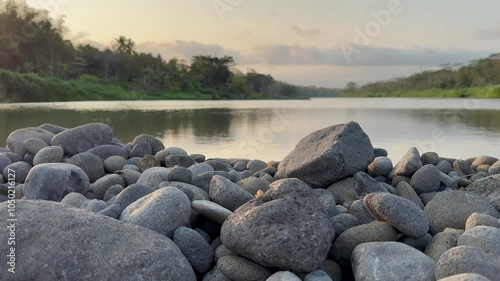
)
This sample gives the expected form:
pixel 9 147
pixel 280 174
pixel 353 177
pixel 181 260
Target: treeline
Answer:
pixel 478 73
pixel 32 42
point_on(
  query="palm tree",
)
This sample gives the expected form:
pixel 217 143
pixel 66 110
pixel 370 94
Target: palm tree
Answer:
pixel 125 45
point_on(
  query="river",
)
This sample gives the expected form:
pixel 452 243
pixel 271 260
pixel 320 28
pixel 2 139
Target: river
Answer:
pixel 269 129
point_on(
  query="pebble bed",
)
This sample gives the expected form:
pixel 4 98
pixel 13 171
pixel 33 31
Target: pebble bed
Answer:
pixel 90 207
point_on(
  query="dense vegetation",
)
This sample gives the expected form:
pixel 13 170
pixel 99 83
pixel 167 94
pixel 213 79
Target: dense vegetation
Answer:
pixel 480 78
pixel 40 65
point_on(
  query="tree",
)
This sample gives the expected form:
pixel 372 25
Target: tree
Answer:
pixel 211 71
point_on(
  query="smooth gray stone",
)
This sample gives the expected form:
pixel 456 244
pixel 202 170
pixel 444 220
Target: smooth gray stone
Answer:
pixel 484 237
pixel 228 194
pixel 155 144
pixel 52 128
pixel 161 155
pixel 15 141
pixel 94 205
pixel 50 154
pixel 381 166
pixel 112 192
pixel 239 269
pixel 343 190
pixel 391 261
pixel 440 243
pixel 464 259
pixel 130 195
pixel 34 145
pixel 105 151
pixel 57 234
pixel 102 185
pixel 195 248
pixel 409 164
pixel 19 169
pixel 141 149
pixel 90 163
pixel 426 179
pixel 163 211
pixel 211 210
pixel 74 199
pixel 53 181
pixel 198 193
pixel 83 138
pixel 114 163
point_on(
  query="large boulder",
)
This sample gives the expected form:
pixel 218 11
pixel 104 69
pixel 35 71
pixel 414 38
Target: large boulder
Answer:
pixel 328 155
pixel 391 261
pixel 286 228
pixel 53 181
pixel 59 242
pixel 83 138
pixel 453 208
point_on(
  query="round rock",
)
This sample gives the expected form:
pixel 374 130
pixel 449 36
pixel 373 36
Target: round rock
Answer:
pixel 227 193
pixel 83 138
pixel 50 154
pixel 426 179
pixel 90 163
pixel 241 269
pixel 195 248
pixel 464 259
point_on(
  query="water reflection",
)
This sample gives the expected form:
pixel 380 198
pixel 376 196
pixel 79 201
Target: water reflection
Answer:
pixel 233 128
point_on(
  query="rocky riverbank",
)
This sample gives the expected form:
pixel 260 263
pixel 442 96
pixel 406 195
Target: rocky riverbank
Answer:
pixel 82 205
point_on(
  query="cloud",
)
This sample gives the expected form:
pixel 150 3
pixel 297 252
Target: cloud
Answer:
pixel 362 56
pixel 488 33
pixel 304 31
pixel 187 49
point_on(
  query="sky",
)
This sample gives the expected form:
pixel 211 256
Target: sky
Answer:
pixel 323 42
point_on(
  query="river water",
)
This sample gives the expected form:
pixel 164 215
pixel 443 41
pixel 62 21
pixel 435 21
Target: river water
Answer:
pixel 269 129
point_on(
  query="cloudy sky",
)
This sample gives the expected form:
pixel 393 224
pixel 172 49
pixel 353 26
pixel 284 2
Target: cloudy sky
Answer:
pixel 321 42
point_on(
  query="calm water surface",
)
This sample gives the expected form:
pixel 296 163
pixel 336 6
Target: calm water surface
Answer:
pixel 268 130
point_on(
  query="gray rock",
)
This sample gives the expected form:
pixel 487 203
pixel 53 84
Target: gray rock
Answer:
pixel 440 243
pixel 380 152
pixel 452 208
pixel 329 155
pixel 343 222
pixel 222 251
pixel 401 213
pixel 50 154
pixel 148 162
pixel 155 144
pixel 317 275
pixel 211 210
pixel 203 234
pixel 272 229
pixel 463 166
pixel 343 190
pixel 332 269
pixel 444 166
pixel 253 185
pixel 406 191
pixel 154 176
pixel 409 164
pixel 181 174
pixel 112 192
pixel 466 277
pixel 256 165
pixel 220 164
pixel 105 151
pixel 478 219
pixel 4 161
pixel 364 184
pixel 52 128
pixel 485 186
pixel 135 160
pixel 228 194
pixel 83 138
pixel 478 176
pixel 345 244
pixel 21 170
pixel 94 205
pixel 494 169
pixel 90 163
pixel 463 259
pixel 200 168
pixel 198 193
pixel 447 181
pixel 132 167
pixel 484 237
pixel 53 181
pixel 198 158
pixel 180 160
pixel 34 145
pixel 102 185
pixel 419 243
pixel 431 158
pixel 130 194
pixel 74 199
pixel 426 179
pixel 15 141
pixel 240 166
pixel 161 155
pixel 162 211
pixel 283 276
pixel 56 234
pixel 112 211
pixel 141 149
pixel 215 275
pixel 427 197
pixel 203 180
pixel 391 261
pixel 195 248
pixel 381 166
pixel 14 157
pixel 130 176
pixel 241 269
pixel 114 163
pixel 358 209
pixel 328 201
